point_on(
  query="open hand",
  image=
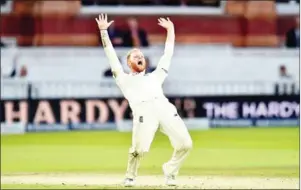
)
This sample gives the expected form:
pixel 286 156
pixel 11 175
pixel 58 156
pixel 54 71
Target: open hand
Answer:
pixel 165 23
pixel 102 22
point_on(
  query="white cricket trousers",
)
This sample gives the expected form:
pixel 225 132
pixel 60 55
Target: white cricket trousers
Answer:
pixel 147 117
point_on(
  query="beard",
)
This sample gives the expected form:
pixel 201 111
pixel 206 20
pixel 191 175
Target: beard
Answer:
pixel 138 67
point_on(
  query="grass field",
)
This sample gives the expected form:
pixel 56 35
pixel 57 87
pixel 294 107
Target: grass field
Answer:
pixel 257 152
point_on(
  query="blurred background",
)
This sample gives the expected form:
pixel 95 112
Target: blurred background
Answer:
pixel 234 60
pixel 236 65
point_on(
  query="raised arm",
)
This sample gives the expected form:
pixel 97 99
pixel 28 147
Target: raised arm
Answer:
pixel 103 25
pixel 165 60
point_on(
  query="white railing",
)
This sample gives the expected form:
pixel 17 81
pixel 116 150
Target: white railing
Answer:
pixel 153 10
pixel 18 89
pixel 291 8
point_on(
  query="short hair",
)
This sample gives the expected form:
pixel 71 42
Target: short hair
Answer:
pixel 130 52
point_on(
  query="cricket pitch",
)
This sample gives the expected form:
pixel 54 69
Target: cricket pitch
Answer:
pixel 153 181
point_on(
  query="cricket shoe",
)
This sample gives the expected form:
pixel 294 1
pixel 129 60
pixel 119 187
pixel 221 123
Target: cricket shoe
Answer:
pixel 170 180
pixel 128 182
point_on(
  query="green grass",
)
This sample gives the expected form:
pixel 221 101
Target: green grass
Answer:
pixel 42 186
pixel 243 151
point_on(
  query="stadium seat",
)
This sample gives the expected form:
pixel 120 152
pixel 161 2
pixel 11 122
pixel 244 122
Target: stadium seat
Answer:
pixel 235 8
pixel 261 9
pixel 262 41
pixel 57 8
pixel 284 23
pixel 66 40
pixel 23 7
pixel 261 32
pixel 251 23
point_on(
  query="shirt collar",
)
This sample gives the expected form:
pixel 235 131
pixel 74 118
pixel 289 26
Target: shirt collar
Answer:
pixel 138 74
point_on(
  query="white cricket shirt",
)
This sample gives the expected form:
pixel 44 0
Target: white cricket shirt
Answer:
pixel 142 87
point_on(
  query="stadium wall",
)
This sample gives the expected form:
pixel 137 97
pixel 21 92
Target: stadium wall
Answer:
pixel 114 113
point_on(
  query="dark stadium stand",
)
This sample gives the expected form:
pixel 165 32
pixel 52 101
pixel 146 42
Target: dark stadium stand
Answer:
pixel 60 23
pixel 152 2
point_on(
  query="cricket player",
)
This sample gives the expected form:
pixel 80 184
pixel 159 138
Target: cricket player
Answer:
pixel 149 106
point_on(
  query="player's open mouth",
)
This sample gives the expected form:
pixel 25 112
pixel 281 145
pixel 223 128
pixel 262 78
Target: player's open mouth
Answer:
pixel 139 62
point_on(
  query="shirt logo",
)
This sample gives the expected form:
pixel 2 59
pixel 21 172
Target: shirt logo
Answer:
pixel 141 119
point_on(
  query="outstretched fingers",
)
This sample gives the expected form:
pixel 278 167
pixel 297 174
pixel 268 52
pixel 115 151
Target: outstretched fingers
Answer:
pixel 161 19
pixel 111 22
pixel 101 17
pixel 106 17
pixel 102 21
